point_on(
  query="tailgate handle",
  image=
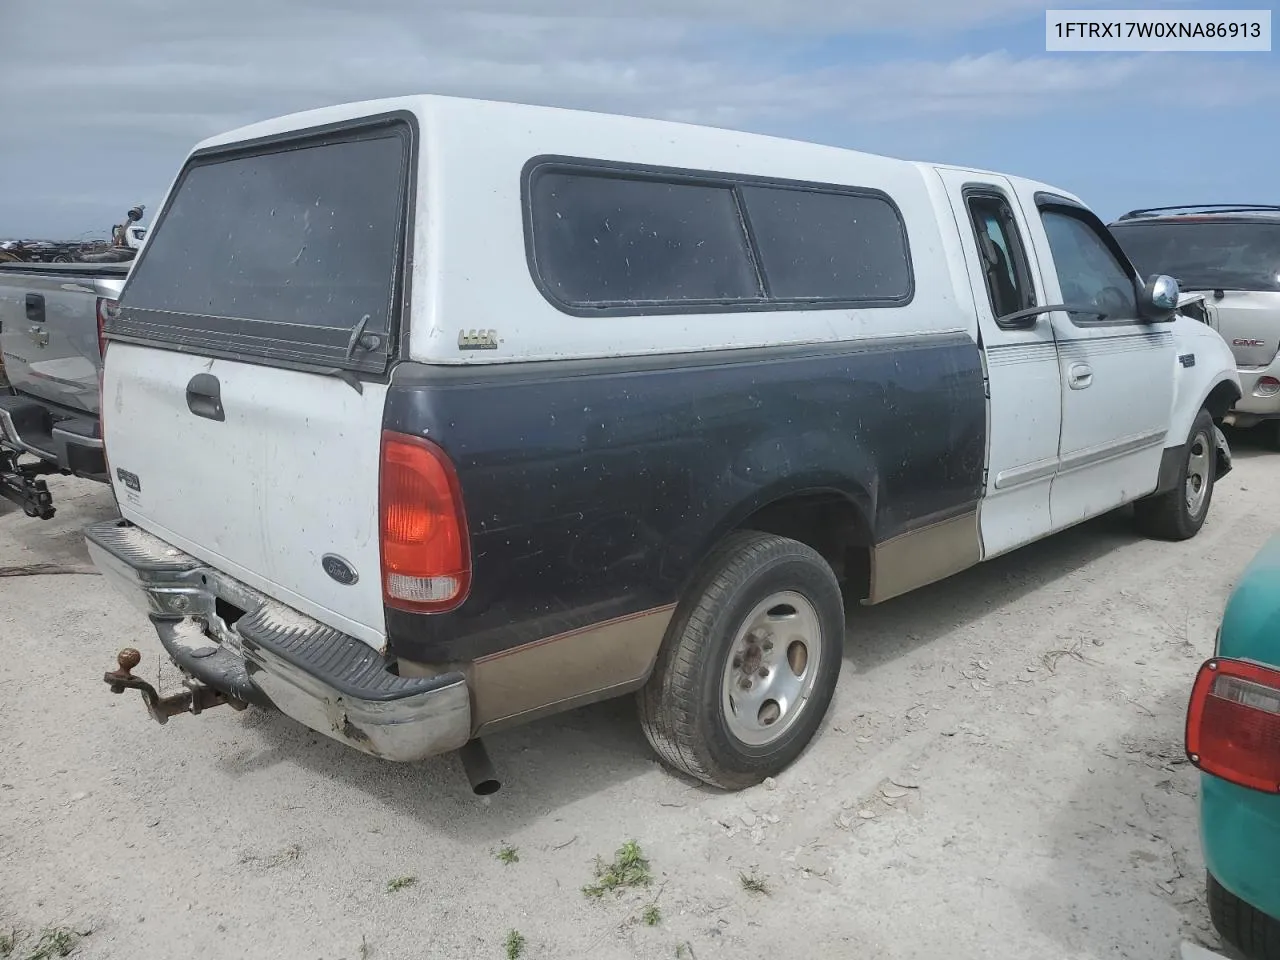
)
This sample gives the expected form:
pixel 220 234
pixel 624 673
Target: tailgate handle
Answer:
pixel 35 307
pixel 204 397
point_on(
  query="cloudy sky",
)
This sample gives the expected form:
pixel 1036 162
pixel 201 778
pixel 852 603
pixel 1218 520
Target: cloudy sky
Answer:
pixel 100 101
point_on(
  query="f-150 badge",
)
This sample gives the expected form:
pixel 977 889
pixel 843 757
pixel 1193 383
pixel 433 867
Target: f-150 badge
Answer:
pixel 477 339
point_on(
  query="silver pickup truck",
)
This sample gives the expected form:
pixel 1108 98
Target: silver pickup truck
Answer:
pixel 51 317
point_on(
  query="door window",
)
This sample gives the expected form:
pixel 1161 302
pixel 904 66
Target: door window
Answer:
pixel 1089 273
pixel 1004 261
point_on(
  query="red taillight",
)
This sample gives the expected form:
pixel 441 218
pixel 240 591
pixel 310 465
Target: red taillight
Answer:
pixel 1233 723
pixel 426 553
pixel 106 310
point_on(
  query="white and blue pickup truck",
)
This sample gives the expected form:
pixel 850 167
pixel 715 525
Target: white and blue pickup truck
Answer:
pixel 431 416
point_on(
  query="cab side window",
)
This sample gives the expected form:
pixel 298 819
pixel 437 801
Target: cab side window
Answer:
pixel 1088 272
pixel 1004 262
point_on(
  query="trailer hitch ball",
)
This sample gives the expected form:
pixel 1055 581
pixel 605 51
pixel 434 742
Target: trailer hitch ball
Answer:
pixel 128 659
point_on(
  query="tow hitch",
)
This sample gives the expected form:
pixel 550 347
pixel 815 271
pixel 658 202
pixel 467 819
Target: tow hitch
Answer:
pixel 22 483
pixel 194 699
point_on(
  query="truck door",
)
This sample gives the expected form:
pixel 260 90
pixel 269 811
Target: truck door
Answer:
pixel 1024 409
pixel 1116 369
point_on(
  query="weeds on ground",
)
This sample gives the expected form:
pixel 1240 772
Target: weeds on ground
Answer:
pixel 9 942
pixel 514 944
pixel 753 883
pixel 508 854
pixel 628 869
pixel 652 916
pixel 54 942
pixel 396 884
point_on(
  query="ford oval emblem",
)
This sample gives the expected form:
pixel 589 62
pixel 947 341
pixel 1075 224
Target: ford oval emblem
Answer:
pixel 339 569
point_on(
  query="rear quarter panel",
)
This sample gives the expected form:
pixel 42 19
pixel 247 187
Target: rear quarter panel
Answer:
pixel 1240 828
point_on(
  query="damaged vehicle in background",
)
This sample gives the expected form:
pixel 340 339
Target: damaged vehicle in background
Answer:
pixel 1231 253
pixel 51 318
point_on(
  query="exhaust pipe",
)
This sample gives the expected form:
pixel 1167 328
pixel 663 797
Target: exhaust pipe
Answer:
pixel 478 768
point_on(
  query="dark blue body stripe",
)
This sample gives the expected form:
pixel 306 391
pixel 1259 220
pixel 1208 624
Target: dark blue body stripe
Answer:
pixel 593 489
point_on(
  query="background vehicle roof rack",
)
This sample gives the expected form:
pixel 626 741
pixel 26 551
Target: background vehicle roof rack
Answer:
pixel 1204 208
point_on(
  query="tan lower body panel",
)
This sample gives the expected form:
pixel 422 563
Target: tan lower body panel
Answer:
pixel 571 669
pixel 924 556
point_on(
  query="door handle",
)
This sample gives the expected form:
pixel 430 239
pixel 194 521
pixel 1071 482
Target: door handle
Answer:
pixel 204 397
pixel 35 307
pixel 1079 376
pixel 39 335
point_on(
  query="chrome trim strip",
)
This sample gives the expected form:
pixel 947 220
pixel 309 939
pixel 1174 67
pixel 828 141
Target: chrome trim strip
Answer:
pixel 1088 456
pixel 1026 473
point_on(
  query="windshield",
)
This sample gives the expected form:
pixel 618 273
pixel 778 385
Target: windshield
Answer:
pixel 1206 255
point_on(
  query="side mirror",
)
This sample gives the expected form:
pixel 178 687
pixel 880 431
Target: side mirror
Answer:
pixel 1159 302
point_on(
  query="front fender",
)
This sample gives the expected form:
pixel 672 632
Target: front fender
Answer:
pixel 1204 374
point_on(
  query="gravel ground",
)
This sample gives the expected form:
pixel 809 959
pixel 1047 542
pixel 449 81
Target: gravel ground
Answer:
pixel 1001 775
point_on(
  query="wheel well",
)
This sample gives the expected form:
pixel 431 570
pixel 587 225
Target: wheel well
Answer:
pixel 830 523
pixel 1221 399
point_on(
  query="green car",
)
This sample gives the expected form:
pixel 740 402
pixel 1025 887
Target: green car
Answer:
pixel 1233 737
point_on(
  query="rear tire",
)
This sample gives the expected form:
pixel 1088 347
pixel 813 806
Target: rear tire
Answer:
pixel 749 664
pixel 1178 514
pixel 1250 931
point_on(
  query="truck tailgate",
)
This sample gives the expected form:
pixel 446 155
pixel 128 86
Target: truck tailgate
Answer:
pixel 49 329
pixel 286 477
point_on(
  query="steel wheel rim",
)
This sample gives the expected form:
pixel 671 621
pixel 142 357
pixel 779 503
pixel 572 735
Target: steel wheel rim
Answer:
pixel 771 668
pixel 1197 487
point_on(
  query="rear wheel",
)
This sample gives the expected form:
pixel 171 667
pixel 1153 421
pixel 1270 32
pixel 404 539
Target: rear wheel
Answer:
pixel 1250 931
pixel 1179 513
pixel 749 664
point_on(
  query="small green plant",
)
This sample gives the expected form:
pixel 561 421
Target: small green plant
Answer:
pixel 652 916
pixel 9 942
pixel 396 884
pixel 684 951
pixel 753 883
pixel 508 854
pixel 514 944
pixel 628 869
pixel 55 942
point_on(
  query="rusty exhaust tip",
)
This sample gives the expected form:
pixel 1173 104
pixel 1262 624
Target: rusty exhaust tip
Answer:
pixel 478 768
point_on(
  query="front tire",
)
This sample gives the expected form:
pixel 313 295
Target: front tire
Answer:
pixel 749 664
pixel 1178 514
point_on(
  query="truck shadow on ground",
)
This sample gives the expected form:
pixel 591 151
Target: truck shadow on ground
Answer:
pixel 552 764
pixel 1128 830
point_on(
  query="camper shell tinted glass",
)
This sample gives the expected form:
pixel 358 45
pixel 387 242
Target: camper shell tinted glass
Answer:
pixel 281 251
pixel 615 239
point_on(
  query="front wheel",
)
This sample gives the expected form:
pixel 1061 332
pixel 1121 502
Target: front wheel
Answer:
pixel 749 664
pixel 1178 514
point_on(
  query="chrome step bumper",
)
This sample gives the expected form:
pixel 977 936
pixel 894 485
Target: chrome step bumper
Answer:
pixel 272 655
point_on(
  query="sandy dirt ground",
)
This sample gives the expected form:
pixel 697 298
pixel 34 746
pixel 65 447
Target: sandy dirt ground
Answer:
pixel 1001 776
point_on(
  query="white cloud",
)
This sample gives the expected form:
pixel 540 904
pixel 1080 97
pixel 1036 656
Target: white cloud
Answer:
pixel 108 108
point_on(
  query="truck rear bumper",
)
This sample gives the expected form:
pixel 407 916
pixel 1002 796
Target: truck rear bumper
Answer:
pixel 72 444
pixel 229 637
pixel 1259 396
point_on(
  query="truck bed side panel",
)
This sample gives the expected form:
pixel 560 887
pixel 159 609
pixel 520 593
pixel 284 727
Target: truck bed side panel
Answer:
pixel 593 489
